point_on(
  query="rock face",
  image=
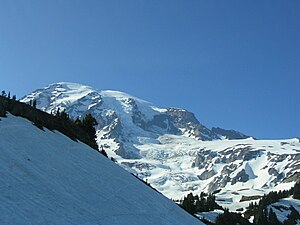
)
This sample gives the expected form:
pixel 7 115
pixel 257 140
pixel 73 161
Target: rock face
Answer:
pixel 207 174
pixel 172 150
pixel 242 176
pixel 188 124
pixel 165 122
pixel 230 134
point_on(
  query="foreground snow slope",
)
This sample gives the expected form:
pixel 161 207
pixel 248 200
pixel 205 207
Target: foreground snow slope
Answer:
pixel 46 178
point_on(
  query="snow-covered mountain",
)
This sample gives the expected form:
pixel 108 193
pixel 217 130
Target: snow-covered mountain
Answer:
pixel 173 151
pixel 47 178
pixel 125 120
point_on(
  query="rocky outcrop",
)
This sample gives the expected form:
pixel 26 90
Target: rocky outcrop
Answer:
pixel 137 116
pixel 228 169
pixel 278 176
pixel 229 134
pixel 203 157
pixel 187 121
pixel 250 198
pixel 295 177
pixel 242 176
pixel 218 182
pixel 273 171
pixel 239 152
pixel 206 175
pixel 165 122
pixel 232 157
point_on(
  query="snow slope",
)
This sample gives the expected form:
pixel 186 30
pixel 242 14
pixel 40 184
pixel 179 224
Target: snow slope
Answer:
pixel 173 151
pixel 46 178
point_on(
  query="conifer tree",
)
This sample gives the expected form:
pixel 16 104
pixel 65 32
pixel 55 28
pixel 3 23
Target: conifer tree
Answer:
pixel 57 114
pixel 103 152
pixel 296 191
pixel 228 218
pixel 293 217
pixel 272 220
pixel 64 116
pixel 188 204
pixel 89 121
pixel 34 103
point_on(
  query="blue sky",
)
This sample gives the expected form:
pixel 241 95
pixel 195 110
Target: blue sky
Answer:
pixel 235 64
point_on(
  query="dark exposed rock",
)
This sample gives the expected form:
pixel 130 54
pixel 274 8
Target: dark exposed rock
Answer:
pixel 182 117
pixel 228 169
pixel 228 156
pixel 239 153
pixel 216 191
pixel 276 158
pixel 230 134
pixel 206 175
pixel 284 143
pixel 278 178
pixel 295 157
pixel 234 156
pixel 273 171
pixel 139 165
pixel 186 120
pixel 199 161
pixel 165 122
pixel 295 177
pixel 114 128
pixel 203 157
pixel 250 198
pixel 252 155
pixel 242 176
pixel 218 182
pixel 137 117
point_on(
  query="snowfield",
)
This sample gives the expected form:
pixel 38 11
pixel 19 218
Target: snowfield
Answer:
pixel 46 178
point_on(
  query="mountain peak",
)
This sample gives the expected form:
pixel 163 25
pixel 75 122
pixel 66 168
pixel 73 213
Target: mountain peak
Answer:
pixel 120 114
pixel 68 87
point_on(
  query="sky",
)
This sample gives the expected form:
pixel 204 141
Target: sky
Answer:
pixel 234 64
